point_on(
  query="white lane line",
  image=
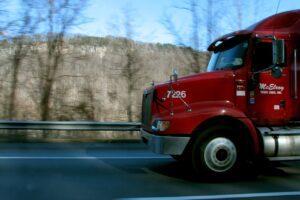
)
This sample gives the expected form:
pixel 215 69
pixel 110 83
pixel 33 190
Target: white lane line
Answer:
pixel 77 157
pixel 223 196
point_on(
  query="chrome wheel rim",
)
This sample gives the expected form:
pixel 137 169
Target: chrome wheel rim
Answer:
pixel 220 154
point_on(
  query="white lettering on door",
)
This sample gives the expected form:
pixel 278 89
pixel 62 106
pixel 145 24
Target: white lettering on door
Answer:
pixel 270 88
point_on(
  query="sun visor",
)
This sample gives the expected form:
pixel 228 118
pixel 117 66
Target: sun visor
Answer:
pixel 234 36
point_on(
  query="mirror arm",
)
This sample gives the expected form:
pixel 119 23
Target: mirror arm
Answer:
pixel 263 70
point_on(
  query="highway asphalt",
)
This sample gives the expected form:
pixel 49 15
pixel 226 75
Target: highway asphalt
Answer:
pixel 126 171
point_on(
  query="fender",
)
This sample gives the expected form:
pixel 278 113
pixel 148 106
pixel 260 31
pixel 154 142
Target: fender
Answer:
pixel 185 123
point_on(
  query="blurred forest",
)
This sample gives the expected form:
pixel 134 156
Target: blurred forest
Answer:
pixel 46 73
pixel 92 81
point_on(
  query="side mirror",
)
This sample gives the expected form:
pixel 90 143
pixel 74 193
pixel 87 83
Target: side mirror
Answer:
pixel 278 52
pixel 276 72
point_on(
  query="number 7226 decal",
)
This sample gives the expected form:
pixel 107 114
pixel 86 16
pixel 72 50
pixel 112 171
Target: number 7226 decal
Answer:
pixel 176 94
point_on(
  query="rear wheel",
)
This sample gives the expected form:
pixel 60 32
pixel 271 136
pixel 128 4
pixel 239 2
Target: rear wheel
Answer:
pixel 216 152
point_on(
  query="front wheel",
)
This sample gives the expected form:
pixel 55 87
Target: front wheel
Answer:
pixel 216 152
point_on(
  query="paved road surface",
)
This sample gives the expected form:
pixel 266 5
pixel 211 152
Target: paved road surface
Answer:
pixel 125 171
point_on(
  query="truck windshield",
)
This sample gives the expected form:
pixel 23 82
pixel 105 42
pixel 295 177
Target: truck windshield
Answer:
pixel 228 55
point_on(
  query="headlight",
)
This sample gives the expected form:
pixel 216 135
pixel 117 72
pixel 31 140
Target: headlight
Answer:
pixel 161 125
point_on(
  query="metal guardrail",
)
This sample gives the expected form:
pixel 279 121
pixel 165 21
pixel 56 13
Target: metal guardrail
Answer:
pixel 70 125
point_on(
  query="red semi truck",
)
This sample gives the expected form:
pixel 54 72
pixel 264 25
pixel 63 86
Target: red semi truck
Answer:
pixel 246 106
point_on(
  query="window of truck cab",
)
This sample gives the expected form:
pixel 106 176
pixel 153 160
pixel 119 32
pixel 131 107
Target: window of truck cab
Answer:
pixel 263 57
pixel 228 54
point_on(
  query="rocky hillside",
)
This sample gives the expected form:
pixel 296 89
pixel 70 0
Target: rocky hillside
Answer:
pixel 95 79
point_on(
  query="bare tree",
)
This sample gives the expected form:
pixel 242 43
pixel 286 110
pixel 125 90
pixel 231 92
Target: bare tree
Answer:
pixel 130 70
pixel 209 24
pixel 58 18
pixel 238 7
pixel 21 29
pixel 213 16
pixel 193 9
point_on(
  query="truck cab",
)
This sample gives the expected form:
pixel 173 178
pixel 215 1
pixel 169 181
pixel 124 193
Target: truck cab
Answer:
pixel 245 106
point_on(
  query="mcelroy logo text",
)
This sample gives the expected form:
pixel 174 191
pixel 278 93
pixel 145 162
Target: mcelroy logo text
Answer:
pixel 270 88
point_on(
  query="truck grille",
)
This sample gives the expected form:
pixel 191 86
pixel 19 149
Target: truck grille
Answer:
pixel 146 109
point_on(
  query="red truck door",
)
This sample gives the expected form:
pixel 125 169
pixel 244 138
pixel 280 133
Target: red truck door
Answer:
pixel 269 97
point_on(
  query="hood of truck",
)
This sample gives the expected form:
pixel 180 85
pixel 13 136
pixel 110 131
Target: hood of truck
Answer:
pixel 189 93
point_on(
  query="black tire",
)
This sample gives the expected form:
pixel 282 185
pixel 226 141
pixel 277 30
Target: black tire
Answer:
pixel 216 152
